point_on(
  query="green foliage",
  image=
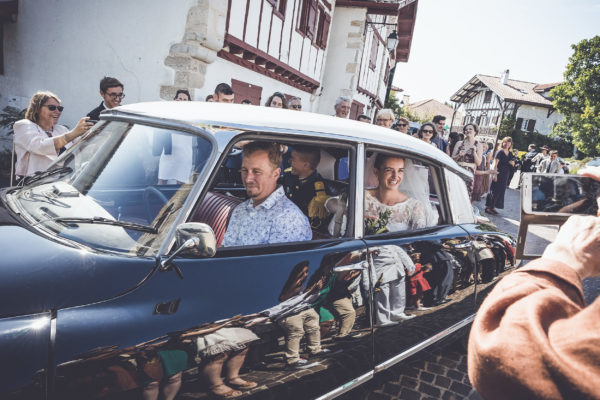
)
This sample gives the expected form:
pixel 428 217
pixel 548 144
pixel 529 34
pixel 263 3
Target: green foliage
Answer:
pixel 578 97
pixel 521 139
pixel 400 111
pixel 9 116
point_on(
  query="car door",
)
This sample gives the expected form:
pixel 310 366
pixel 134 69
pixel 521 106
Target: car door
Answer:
pixel 427 264
pixel 206 314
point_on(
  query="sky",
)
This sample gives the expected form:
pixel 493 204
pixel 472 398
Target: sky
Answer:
pixel 454 40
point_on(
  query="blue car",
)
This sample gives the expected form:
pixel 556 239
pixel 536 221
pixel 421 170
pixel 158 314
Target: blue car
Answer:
pixel 114 282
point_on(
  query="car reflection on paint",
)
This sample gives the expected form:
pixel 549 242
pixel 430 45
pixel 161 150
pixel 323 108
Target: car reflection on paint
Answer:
pixel 114 283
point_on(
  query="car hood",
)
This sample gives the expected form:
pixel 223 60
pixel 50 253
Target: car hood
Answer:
pixel 38 274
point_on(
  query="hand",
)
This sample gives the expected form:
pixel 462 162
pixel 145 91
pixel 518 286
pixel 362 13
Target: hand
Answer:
pixel 492 172
pixel 578 245
pixel 81 127
pixel 495 178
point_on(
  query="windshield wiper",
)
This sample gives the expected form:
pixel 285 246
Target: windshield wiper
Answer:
pixel 44 174
pixel 106 221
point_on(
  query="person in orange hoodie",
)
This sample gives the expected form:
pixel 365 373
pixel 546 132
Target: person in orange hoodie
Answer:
pixel 534 337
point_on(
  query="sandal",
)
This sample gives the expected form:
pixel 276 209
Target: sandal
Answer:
pixel 247 385
pixel 229 394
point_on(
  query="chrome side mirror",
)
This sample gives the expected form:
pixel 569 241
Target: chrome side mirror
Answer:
pixel 197 239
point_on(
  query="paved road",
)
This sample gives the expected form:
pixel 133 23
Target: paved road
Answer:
pixel 442 373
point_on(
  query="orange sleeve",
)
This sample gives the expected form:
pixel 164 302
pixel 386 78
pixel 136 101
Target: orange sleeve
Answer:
pixel 533 337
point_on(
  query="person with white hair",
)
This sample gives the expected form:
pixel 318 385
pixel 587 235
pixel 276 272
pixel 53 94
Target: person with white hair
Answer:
pixel 342 107
pixel 385 117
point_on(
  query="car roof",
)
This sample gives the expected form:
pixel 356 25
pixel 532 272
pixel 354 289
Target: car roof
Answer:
pixel 249 117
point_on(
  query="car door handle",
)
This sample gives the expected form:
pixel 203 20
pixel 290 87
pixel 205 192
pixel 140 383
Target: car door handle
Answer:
pixel 352 267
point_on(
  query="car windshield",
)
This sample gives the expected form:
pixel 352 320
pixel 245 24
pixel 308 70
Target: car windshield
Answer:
pixel 119 189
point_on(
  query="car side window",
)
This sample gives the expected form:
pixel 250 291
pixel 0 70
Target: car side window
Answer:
pixel 458 197
pixel 267 192
pixel 399 194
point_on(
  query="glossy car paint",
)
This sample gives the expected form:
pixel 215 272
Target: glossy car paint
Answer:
pixel 83 323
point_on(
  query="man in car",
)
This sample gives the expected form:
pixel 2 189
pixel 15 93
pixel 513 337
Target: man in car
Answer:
pixel 304 186
pixel 268 216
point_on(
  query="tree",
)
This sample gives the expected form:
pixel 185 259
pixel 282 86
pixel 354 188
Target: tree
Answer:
pixel 578 97
pixel 403 111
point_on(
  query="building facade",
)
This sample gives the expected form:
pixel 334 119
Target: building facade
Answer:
pixel 314 49
pixel 486 100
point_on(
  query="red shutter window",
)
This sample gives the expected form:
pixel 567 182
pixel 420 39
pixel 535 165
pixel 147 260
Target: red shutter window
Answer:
pixel 323 33
pixel 278 6
pixel 246 91
pixel 386 77
pixel 311 22
pixel 374 48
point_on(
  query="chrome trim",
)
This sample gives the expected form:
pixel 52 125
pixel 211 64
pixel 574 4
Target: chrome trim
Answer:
pixel 359 198
pixel 346 387
pixel 415 349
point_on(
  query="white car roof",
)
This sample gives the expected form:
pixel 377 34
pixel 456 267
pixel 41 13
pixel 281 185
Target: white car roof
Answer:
pixel 249 117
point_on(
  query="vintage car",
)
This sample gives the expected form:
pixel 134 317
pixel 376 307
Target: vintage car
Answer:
pixel 114 282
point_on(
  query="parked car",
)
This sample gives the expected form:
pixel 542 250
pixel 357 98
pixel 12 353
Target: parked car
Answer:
pixel 593 163
pixel 113 280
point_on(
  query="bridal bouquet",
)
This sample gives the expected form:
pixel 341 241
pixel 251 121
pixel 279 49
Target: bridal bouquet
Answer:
pixel 375 226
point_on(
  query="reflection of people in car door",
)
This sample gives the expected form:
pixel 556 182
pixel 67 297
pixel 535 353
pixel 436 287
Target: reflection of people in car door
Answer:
pixel 391 265
pixel 268 216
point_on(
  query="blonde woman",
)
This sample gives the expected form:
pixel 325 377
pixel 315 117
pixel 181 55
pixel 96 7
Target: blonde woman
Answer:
pixel 38 138
pixel 504 160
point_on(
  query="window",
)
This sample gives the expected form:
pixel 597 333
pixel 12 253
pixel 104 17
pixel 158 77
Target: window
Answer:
pixel 374 48
pixel 323 29
pixel 227 191
pixel 458 197
pixel 308 17
pixel 416 181
pixel 487 97
pixel 525 125
pixel 386 77
pixel 279 7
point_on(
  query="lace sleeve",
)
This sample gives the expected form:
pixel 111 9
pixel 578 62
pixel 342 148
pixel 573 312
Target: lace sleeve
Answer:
pixel 418 217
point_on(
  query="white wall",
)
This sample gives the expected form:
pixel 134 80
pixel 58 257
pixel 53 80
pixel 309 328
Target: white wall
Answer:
pixel 343 56
pixel 542 124
pixel 67 46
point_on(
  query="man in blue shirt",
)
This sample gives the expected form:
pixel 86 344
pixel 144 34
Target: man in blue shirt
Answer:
pixel 268 216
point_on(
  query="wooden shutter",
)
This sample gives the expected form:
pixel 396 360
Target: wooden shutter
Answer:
pixel 519 123
pixel 530 125
pixel 323 29
pixel 311 22
pixel 386 77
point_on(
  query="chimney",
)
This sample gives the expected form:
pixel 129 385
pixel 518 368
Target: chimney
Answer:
pixel 504 77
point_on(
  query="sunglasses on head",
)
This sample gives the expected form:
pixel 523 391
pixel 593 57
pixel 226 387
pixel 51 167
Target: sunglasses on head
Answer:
pixel 52 107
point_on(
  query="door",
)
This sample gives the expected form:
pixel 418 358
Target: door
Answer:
pixel 422 272
pixel 290 317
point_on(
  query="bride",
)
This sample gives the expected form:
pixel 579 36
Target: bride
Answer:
pixel 406 212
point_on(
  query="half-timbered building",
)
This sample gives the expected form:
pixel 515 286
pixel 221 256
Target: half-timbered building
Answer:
pixel 486 100
pixel 317 50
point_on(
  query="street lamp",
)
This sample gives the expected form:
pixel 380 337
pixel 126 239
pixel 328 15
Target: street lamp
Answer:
pixel 392 42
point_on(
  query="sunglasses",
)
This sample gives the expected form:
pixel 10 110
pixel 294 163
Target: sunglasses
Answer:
pixel 427 131
pixel 402 125
pixel 52 107
pixel 298 107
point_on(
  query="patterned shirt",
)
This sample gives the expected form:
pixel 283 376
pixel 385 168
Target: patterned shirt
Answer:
pixel 275 220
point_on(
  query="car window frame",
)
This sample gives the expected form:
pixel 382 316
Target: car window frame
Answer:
pixel 305 138
pixel 438 182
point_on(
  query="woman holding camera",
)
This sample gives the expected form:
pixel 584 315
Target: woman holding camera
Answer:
pixel 38 138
